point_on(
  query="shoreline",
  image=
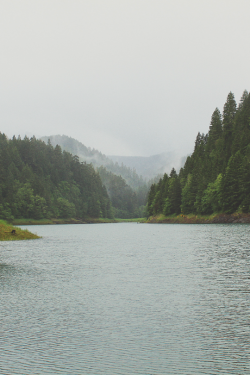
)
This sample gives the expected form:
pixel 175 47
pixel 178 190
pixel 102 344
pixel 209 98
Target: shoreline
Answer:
pixel 74 221
pixel 222 218
pixel 60 221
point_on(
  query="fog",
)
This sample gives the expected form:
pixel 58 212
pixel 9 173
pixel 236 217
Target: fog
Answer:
pixel 125 77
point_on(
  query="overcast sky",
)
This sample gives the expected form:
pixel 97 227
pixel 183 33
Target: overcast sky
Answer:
pixel 128 77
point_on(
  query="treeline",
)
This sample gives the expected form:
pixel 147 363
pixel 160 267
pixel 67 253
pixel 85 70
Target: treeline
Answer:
pixel 216 177
pixel 40 181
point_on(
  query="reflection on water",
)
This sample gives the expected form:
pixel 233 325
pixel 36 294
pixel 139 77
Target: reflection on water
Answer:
pixel 126 299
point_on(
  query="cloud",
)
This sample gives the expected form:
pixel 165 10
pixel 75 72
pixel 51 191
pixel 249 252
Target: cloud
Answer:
pixel 129 77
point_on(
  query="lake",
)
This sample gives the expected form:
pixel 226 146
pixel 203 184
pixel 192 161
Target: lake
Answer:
pixel 126 298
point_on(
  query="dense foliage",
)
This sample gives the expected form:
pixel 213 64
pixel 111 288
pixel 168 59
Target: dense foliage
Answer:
pixel 127 191
pixel 40 181
pixel 96 158
pixel 216 177
pixel 125 201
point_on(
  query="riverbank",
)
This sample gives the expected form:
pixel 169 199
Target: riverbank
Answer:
pixel 158 219
pixel 10 233
pixel 136 220
pixel 200 219
pixel 60 221
pixel 73 221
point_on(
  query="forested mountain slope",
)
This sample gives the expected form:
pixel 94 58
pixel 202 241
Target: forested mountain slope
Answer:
pixel 96 158
pixel 126 202
pixel 216 177
pixel 40 181
pixel 127 191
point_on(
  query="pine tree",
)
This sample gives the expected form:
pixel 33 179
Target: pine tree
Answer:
pixel 230 185
pixel 241 130
pixel 229 112
pixel 215 130
pixel 173 200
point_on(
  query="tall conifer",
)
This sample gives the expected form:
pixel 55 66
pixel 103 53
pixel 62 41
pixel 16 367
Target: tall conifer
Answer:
pixel 229 112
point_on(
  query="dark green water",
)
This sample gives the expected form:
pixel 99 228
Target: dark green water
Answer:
pixel 126 299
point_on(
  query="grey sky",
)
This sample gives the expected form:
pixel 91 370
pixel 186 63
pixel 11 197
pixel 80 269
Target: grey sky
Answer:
pixel 132 77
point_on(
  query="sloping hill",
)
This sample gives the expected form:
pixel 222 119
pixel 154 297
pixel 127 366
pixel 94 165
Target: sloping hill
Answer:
pixel 216 177
pixel 96 158
pixel 39 182
pixel 135 170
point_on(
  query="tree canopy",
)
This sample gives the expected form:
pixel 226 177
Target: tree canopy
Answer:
pixel 39 181
pixel 216 177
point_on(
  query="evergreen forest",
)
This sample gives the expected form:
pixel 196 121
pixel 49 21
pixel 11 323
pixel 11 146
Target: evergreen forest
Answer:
pixel 126 189
pixel 127 202
pixel 216 177
pixel 96 158
pixel 40 181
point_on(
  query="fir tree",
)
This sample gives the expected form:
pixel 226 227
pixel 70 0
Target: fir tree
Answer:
pixel 229 112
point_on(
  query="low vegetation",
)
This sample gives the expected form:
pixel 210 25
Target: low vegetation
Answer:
pixel 215 218
pixel 10 233
pixel 135 220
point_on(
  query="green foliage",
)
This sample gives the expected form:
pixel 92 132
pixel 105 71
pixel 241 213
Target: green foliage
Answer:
pixel 230 185
pixel 124 199
pixel 211 200
pixel 97 159
pixel 39 181
pixel 216 177
pixel 188 195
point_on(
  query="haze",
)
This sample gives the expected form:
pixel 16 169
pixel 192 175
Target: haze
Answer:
pixel 125 77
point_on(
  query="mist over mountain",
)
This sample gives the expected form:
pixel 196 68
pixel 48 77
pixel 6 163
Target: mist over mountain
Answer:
pixel 96 158
pixel 151 166
pixel 126 189
pixel 88 154
pixel 136 170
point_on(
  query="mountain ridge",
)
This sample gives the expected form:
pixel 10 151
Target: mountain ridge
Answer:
pixel 139 169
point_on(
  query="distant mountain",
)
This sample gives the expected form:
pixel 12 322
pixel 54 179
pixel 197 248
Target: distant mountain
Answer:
pixel 90 155
pixel 96 158
pixel 134 169
pixel 126 178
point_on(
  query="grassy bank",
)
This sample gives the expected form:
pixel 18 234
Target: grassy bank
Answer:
pixel 216 218
pixel 10 233
pixel 137 220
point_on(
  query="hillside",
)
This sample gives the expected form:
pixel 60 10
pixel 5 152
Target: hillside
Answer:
pixel 126 190
pixel 216 177
pixel 135 170
pixel 96 158
pixel 39 181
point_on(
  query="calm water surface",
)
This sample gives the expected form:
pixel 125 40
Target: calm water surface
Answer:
pixel 126 299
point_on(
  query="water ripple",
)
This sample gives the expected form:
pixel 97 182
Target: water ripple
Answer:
pixel 126 299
